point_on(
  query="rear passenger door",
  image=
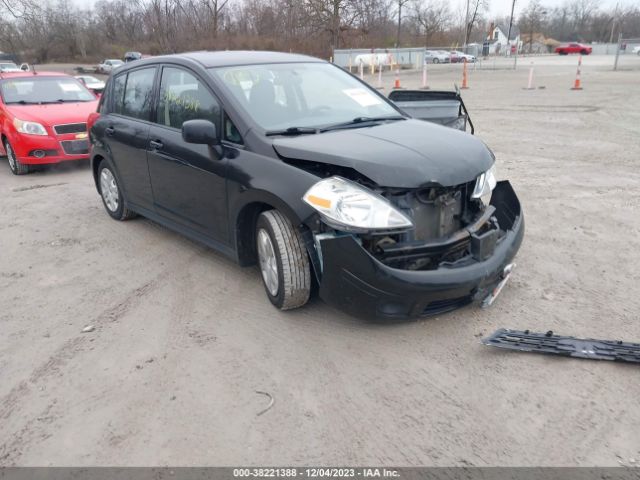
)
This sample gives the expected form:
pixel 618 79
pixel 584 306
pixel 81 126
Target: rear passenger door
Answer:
pixel 127 132
pixel 188 180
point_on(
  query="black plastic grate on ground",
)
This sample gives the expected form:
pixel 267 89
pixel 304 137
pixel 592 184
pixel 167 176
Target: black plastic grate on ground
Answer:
pixel 549 343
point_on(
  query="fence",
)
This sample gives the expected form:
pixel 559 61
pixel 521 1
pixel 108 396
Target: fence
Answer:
pixel 403 57
pixel 625 47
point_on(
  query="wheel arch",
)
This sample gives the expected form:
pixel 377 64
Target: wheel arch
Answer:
pixel 96 160
pixel 244 226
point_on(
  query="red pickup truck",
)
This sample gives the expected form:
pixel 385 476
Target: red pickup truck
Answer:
pixel 567 48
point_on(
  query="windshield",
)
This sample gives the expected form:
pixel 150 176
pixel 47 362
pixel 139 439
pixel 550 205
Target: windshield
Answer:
pixel 280 96
pixel 44 90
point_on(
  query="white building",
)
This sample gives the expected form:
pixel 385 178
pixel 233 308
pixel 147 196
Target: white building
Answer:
pixel 499 42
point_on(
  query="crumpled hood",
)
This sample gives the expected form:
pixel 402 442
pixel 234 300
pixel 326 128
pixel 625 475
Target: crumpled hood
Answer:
pixel 402 154
pixel 54 113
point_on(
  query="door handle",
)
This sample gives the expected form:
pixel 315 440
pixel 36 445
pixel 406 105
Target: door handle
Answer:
pixel 156 144
pixel 109 131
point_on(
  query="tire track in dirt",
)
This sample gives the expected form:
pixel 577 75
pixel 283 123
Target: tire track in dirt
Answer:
pixel 66 352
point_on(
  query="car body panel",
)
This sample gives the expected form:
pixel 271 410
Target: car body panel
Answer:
pixel 402 154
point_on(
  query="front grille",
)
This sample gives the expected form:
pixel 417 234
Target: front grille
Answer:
pixel 441 306
pixel 70 128
pixel 75 147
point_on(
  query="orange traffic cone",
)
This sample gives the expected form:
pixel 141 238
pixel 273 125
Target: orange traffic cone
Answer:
pixel 464 75
pixel 576 84
pixel 396 84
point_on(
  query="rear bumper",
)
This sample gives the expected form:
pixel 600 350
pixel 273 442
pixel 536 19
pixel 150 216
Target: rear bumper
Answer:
pixel 357 283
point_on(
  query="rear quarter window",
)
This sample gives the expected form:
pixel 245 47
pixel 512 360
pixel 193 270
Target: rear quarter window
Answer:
pixel 138 93
pixel 132 93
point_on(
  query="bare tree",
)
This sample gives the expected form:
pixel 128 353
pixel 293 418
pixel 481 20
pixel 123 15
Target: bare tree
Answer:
pixel 474 12
pixel 531 20
pixel 401 3
pixel 431 16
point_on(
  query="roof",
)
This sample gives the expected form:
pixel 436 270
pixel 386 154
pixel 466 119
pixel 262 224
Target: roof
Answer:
pixel 229 58
pixel 30 73
pixel 515 31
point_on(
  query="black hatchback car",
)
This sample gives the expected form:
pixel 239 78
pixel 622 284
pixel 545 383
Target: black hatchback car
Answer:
pixel 292 163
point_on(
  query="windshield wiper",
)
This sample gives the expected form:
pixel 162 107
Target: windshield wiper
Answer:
pixel 362 120
pixel 292 131
pixel 22 102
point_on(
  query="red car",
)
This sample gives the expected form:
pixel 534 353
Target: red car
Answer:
pixel 567 48
pixel 43 118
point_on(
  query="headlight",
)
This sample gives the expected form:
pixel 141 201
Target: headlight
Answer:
pixel 347 206
pixel 30 128
pixel 485 184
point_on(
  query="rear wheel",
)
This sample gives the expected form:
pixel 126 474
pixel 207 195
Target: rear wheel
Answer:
pixel 283 261
pixel 435 60
pixel 111 194
pixel 16 167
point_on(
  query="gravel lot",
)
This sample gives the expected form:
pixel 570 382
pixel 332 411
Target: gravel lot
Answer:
pixel 184 338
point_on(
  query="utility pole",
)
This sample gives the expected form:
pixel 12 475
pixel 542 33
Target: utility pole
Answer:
pixel 513 6
pixel 466 26
pixel 613 22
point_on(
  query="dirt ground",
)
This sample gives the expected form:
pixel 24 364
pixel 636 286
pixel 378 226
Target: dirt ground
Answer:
pixel 184 338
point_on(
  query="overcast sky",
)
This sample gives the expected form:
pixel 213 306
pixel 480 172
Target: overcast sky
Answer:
pixel 498 8
pixel 501 8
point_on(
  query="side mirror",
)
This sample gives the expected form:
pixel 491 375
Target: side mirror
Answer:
pixel 200 131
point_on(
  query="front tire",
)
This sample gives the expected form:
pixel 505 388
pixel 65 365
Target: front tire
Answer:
pixel 283 261
pixel 16 167
pixel 111 193
pixel 435 60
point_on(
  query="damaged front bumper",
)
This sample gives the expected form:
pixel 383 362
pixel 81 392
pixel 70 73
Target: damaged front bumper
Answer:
pixel 356 282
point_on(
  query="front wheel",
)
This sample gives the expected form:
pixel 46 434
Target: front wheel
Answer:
pixel 17 168
pixel 435 60
pixel 283 260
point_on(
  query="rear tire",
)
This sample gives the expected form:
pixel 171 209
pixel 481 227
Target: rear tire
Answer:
pixel 111 193
pixel 435 60
pixel 283 261
pixel 16 167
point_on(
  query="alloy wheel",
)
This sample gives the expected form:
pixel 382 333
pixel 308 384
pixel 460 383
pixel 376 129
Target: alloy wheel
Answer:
pixel 268 262
pixel 109 190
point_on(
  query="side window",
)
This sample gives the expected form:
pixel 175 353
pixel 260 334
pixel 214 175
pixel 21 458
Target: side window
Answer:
pixel 231 133
pixel 118 93
pixel 183 97
pixel 137 93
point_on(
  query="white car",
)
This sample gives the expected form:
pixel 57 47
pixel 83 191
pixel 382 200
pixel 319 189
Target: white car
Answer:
pixel 636 50
pixel 436 56
pixel 92 83
pixel 368 59
pixel 9 67
pixel 110 64
pixel 462 56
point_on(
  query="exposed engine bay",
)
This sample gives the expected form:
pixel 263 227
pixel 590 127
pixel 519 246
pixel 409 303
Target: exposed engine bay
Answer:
pixel 450 227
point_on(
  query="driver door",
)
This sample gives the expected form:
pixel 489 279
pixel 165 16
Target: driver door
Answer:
pixel 188 180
